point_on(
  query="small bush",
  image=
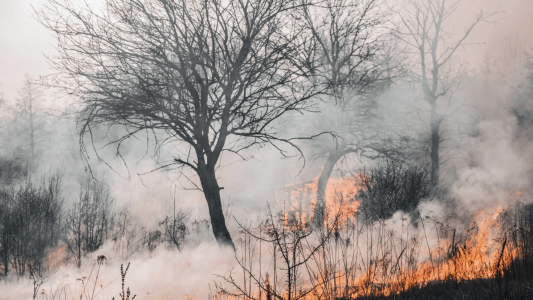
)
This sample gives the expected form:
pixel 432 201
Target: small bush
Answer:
pixel 391 187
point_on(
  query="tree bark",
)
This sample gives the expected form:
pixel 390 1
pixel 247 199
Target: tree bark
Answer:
pixel 332 159
pixel 211 191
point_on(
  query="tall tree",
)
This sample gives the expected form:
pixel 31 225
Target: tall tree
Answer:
pixel 212 75
pixel 23 127
pixel 522 104
pixel 29 96
pixel 424 24
pixel 349 56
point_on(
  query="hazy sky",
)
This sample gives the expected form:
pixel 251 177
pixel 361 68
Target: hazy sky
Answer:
pixel 24 42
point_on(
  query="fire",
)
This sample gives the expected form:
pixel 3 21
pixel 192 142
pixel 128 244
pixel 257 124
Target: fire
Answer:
pixel 340 197
pixel 480 256
pixel 389 260
pixel 56 257
pixel 300 198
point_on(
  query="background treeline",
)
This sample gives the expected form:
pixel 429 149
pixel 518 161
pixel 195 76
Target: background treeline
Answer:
pixel 39 222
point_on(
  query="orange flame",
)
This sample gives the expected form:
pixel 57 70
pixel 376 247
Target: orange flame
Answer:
pixel 300 198
pixel 479 253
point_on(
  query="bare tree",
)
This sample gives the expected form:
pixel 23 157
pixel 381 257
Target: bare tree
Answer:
pixel 6 232
pixel 23 127
pixel 212 75
pixel 30 117
pixel 89 221
pixel 30 224
pixel 522 107
pixel 348 53
pixel 424 29
pixel 29 95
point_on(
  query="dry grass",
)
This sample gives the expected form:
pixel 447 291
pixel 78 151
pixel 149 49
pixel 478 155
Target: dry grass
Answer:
pixel 398 258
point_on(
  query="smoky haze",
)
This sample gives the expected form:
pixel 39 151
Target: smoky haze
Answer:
pixel 490 160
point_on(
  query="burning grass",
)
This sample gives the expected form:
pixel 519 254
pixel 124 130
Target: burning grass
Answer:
pixel 404 257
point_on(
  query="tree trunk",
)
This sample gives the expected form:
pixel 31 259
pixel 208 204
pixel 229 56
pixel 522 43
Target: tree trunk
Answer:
pixel 332 159
pixel 5 258
pixel 435 143
pixel 32 132
pixel 212 195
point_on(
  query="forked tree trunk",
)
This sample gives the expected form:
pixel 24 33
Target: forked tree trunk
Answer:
pixel 212 195
pixel 332 159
